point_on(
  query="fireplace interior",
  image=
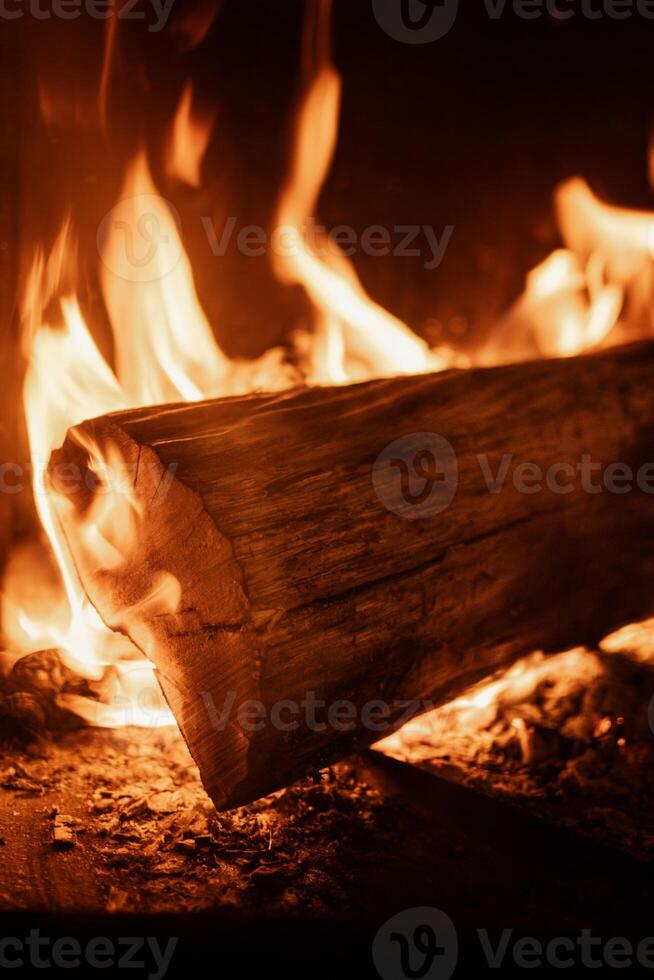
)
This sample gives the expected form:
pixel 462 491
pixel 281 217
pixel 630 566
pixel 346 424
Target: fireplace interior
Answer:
pixel 244 250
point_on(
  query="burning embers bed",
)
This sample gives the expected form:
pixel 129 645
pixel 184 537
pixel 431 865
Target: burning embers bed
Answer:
pixel 596 292
pixel 567 737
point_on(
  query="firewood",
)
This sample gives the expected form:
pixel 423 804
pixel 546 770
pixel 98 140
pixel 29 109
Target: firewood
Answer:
pixel 303 579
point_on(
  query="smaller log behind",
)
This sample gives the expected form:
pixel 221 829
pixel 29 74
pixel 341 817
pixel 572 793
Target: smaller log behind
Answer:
pixel 301 584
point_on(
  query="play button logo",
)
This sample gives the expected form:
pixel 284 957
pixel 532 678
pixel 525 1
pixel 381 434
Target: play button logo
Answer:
pixel 416 21
pixel 417 944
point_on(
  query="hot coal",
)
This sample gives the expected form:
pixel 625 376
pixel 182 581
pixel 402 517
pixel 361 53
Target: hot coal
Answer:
pixel 568 737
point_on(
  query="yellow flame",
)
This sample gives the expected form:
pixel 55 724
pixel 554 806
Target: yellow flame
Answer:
pixel 575 299
pixel 572 309
pixel 623 238
pixel 188 142
pixel 66 376
pixel 635 640
pixel 165 351
pixel 357 338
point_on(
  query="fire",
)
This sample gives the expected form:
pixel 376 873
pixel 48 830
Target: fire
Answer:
pixel 67 379
pixel 636 640
pixel 620 238
pixel 188 142
pixel 164 351
pixel 578 299
pixel 353 338
pixel 476 710
pixel 573 308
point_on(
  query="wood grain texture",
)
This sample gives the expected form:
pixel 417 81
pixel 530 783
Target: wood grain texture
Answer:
pixel 295 576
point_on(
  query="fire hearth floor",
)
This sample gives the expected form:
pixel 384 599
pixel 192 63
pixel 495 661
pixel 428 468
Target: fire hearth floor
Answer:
pixel 113 824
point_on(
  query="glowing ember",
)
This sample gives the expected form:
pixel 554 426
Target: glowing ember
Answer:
pixel 636 640
pixel 529 712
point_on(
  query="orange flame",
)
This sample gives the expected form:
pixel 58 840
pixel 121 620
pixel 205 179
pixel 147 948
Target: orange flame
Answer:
pixel 583 297
pixel 188 142
pixel 356 338
pixel 165 350
pixel 573 309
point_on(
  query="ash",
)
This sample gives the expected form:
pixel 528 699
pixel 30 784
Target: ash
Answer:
pixel 567 737
pixel 129 810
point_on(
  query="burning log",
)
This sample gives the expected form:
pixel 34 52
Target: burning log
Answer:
pixel 320 589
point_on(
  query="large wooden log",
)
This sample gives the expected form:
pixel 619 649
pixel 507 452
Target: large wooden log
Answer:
pixel 304 579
